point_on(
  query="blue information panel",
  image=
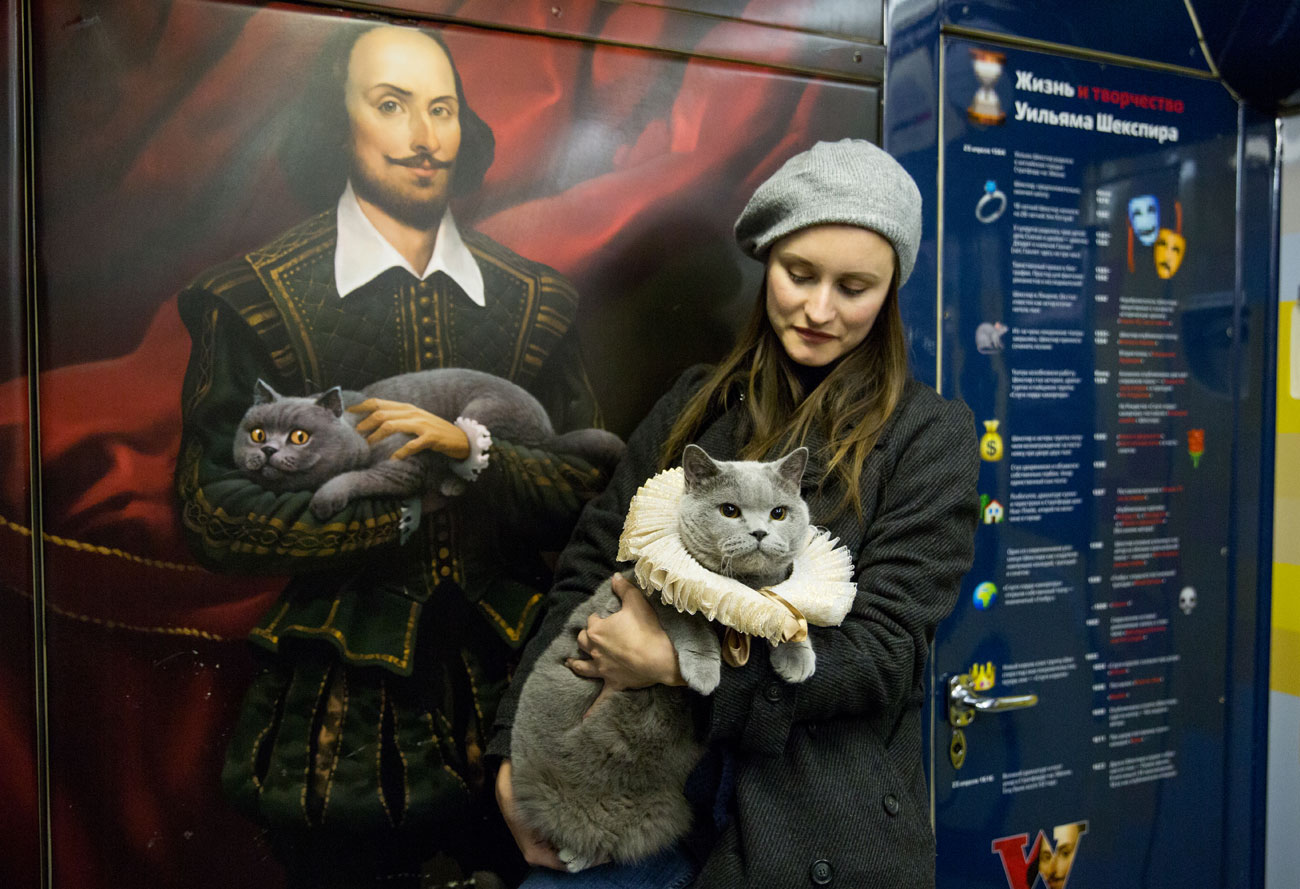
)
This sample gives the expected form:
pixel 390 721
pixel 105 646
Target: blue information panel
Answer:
pixel 1088 282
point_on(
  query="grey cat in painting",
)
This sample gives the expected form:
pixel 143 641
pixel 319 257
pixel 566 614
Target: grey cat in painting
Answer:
pixel 608 785
pixel 289 443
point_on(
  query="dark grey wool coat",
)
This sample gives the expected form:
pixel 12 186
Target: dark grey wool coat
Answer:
pixel 829 786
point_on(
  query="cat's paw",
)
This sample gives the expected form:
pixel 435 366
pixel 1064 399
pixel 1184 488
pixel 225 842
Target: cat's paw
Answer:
pixel 794 661
pixel 573 861
pixel 328 500
pixel 702 673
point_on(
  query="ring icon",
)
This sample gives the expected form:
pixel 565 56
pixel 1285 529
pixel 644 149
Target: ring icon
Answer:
pixel 992 204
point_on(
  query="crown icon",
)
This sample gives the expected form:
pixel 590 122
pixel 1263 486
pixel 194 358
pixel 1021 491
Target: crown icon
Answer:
pixel 983 677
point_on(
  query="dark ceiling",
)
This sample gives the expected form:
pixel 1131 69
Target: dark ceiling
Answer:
pixel 1256 46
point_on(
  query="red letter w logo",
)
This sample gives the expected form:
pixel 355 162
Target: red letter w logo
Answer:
pixel 1026 866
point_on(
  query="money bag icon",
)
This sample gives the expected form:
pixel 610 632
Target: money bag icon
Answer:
pixel 991 442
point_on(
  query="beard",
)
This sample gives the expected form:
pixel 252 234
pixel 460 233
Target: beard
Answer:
pixel 418 208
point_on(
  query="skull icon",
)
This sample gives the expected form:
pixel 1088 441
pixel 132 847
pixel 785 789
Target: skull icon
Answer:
pixel 1187 599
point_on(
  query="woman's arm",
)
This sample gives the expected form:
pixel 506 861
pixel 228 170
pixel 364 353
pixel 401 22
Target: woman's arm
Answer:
pixel 536 851
pixel 589 558
pixel 628 649
pixel 909 571
pixel 584 564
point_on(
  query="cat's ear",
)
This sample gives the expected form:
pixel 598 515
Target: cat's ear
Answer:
pixel 263 393
pixel 332 401
pixel 791 467
pixel 698 465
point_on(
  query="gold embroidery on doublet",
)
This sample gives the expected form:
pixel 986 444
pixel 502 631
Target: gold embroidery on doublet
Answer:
pixel 280 267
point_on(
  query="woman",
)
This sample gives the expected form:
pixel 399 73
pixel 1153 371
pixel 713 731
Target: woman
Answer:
pixel 820 781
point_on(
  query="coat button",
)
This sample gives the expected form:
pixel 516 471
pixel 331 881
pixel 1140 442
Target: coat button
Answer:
pixel 773 692
pixel 891 804
pixel 822 872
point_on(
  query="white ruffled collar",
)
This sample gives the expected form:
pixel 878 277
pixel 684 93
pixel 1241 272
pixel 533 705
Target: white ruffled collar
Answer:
pixel 819 590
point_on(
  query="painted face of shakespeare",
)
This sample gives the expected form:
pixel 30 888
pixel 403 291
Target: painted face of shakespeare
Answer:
pixel 405 119
pixel 825 287
pixel 1054 864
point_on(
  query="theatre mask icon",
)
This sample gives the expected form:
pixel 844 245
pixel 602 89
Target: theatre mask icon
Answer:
pixel 1144 217
pixel 1169 252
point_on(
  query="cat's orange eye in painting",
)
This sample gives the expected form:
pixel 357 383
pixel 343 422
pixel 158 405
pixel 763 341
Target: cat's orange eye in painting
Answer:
pixel 299 436
pixel 258 435
pixel 778 513
pixel 730 510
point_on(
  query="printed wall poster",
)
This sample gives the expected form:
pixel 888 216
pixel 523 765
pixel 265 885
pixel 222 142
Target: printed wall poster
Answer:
pixel 227 195
pixel 1088 262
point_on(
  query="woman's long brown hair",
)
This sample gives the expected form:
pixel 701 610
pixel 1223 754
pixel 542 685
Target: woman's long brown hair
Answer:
pixel 850 406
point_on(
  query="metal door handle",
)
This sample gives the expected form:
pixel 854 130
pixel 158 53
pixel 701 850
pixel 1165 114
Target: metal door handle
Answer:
pixel 963 702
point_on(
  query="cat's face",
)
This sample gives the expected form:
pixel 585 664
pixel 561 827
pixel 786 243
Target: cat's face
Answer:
pixel 743 519
pixel 293 444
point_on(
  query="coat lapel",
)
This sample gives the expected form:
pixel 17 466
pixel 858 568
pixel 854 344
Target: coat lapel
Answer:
pixel 824 495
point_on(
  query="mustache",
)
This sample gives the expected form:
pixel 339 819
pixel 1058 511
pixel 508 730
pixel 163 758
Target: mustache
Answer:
pixel 421 159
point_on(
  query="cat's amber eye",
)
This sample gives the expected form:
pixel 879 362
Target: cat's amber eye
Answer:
pixel 258 435
pixel 778 513
pixel 730 510
pixel 299 436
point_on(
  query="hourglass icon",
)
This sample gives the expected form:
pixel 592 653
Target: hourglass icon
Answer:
pixel 985 107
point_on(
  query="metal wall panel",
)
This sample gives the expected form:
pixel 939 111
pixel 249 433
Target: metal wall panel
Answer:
pixel 20 692
pixel 1102 384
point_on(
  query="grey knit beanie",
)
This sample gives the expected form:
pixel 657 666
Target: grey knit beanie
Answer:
pixel 850 182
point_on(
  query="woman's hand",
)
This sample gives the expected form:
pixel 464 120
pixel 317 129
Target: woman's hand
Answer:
pixel 628 649
pixel 536 851
pixel 431 431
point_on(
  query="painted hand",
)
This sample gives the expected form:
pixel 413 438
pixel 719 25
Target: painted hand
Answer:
pixel 431 431
pixel 536 851
pixel 628 649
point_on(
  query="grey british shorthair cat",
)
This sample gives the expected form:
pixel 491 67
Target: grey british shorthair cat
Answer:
pixel 290 443
pixel 609 786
